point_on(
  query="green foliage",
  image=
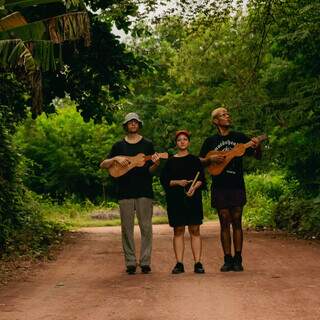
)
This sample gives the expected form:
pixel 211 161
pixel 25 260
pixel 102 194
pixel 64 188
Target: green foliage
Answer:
pixel 290 77
pixel 263 65
pixel 62 154
pixel 95 78
pixel 263 194
pixel 159 194
pixel 299 215
pixel 22 229
pixel 33 237
pixel 71 213
pixel 208 211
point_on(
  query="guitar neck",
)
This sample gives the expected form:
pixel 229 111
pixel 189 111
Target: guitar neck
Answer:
pixel 250 143
pixel 162 155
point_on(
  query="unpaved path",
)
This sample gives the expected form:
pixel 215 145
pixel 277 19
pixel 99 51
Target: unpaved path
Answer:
pixel 281 281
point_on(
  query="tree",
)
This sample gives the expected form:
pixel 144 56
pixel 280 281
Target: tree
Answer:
pixel 290 77
pixel 28 48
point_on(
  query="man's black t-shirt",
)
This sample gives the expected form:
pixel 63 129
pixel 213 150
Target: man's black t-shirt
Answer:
pixel 232 176
pixel 137 182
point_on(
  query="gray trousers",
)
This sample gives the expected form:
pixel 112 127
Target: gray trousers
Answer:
pixel 143 208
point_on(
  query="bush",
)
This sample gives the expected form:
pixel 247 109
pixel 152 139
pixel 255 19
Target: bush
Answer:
pixel 28 232
pixel 299 215
pixel 263 193
pixel 62 154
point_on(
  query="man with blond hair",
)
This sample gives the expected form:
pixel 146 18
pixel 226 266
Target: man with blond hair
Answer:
pixel 228 194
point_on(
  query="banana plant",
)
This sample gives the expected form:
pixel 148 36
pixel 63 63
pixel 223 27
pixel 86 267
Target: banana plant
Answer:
pixel 27 48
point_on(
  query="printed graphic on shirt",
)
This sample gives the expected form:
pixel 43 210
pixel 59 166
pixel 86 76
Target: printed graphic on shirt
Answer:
pixel 227 145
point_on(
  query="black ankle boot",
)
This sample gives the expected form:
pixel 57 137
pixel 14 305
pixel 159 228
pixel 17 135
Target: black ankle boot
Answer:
pixel 228 263
pixel 237 263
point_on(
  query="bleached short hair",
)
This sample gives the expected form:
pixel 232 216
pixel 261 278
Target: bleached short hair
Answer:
pixel 216 111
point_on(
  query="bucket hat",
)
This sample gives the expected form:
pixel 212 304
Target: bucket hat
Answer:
pixel 132 116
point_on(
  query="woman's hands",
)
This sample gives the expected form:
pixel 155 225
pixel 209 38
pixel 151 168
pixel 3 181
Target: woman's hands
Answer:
pixel 193 188
pixel 184 183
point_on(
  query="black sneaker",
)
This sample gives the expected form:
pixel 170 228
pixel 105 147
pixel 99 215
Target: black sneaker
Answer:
pixel 145 269
pixel 237 263
pixel 198 268
pixel 131 269
pixel 228 264
pixel 179 268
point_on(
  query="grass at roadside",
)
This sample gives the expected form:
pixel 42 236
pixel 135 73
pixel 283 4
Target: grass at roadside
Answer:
pixel 75 215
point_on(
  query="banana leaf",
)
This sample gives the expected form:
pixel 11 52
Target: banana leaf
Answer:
pixel 15 54
pixel 69 26
pixel 16 4
pixel 13 20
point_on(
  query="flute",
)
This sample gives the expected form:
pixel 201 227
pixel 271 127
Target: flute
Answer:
pixel 194 180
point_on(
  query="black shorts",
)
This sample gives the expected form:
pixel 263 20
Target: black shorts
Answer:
pixel 228 198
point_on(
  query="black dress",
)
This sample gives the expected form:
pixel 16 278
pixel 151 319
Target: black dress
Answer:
pixel 183 210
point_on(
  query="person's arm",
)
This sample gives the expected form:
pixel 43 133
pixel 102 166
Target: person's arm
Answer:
pixel 255 149
pixel 206 161
pixel 114 156
pixel 201 179
pixel 257 153
pixel 181 183
pixel 107 163
pixel 217 158
pixel 156 161
pixel 193 188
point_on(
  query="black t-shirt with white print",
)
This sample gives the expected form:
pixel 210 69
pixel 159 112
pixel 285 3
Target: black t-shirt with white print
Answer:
pixel 232 175
pixel 137 182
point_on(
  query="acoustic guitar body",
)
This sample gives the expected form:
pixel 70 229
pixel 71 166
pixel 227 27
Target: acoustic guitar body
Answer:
pixel 116 170
pixel 216 168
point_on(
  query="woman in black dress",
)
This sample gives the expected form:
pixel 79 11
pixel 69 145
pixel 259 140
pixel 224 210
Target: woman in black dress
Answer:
pixel 184 199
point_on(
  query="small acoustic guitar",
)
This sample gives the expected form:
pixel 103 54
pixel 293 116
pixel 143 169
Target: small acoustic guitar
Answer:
pixel 239 149
pixel 116 170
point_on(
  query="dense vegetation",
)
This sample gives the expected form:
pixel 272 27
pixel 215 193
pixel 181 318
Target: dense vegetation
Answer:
pixel 262 61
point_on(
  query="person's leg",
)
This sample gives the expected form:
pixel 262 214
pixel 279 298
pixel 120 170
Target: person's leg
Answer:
pixel 225 237
pixel 127 228
pixel 195 239
pixel 178 247
pixel 178 243
pixel 144 211
pixel 196 246
pixel 236 214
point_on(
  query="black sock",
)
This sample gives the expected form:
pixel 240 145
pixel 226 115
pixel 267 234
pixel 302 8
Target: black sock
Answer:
pixel 237 257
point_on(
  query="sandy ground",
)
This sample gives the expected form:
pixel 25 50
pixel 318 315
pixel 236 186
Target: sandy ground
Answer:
pixel 88 281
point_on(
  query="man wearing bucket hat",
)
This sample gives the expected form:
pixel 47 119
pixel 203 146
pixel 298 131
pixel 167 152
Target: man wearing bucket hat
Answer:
pixel 135 192
pixel 228 194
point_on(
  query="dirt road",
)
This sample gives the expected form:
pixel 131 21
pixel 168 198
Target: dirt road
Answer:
pixel 281 281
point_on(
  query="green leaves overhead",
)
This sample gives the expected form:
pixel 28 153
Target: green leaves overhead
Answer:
pixel 29 47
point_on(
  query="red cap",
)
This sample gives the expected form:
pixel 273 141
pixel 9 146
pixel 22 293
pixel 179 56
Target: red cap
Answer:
pixel 185 132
